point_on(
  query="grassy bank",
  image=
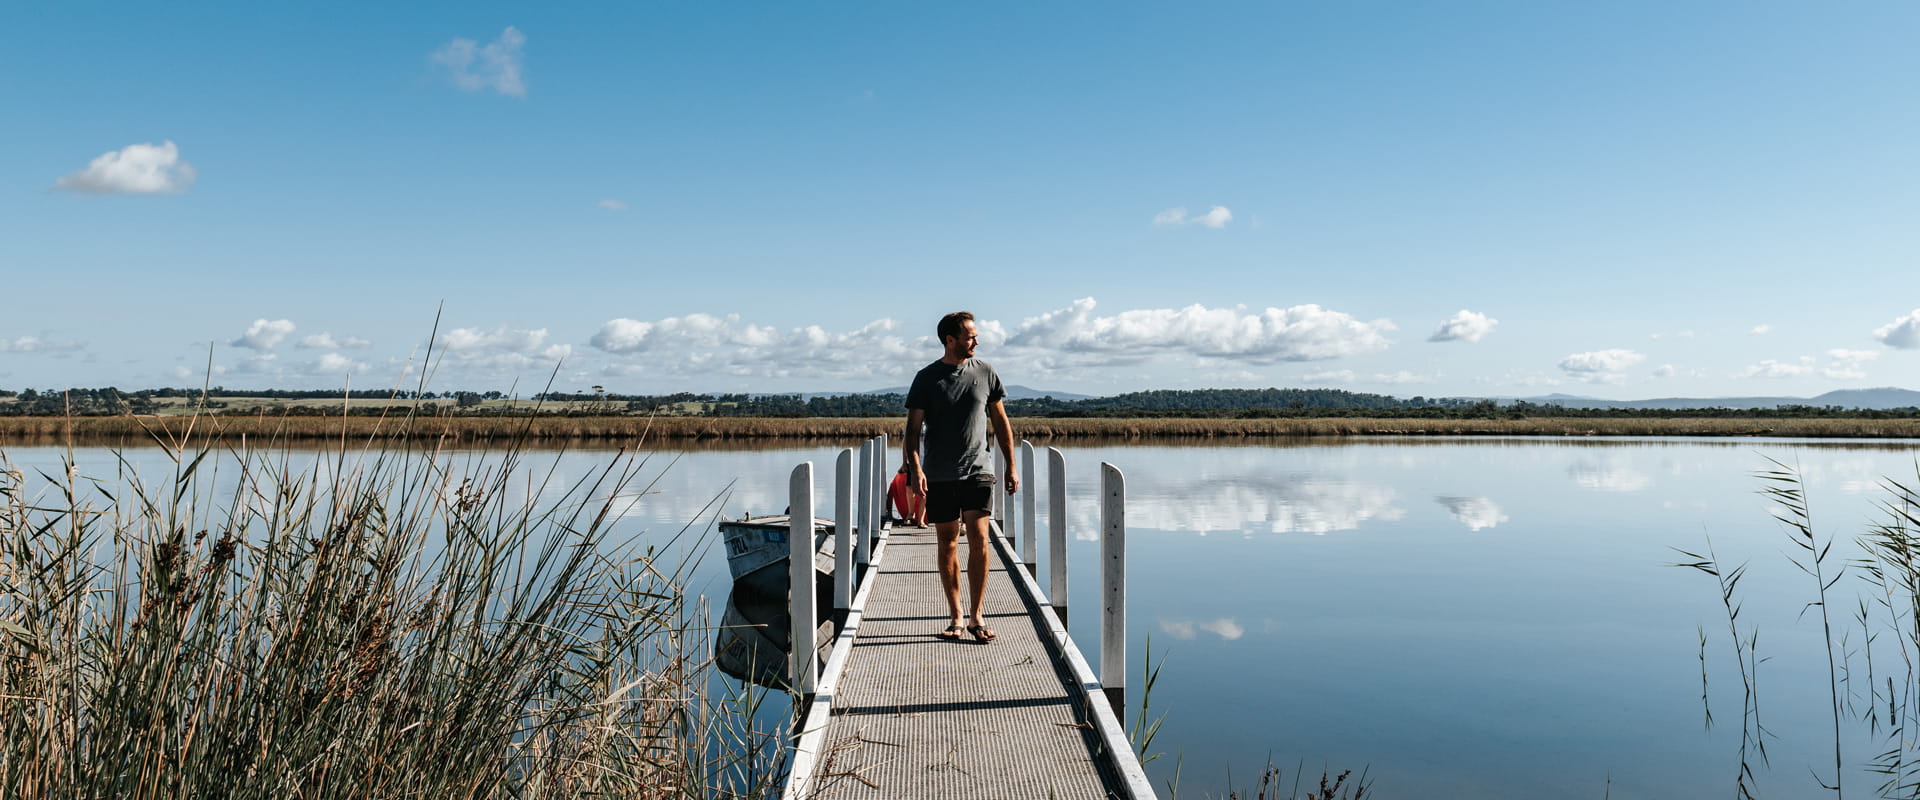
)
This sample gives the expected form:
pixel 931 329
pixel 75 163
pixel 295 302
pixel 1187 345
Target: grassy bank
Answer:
pixel 380 623
pixel 480 430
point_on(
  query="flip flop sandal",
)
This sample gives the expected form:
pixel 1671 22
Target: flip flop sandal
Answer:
pixel 951 634
pixel 982 633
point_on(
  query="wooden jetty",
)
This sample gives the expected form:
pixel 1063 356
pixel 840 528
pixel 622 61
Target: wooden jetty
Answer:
pixel 898 712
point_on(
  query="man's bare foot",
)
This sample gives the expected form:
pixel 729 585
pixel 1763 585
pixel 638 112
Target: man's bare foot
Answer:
pixel 981 632
pixel 952 633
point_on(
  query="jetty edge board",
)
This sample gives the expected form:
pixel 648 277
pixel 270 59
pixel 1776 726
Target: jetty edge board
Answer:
pixel 1115 753
pixel 819 709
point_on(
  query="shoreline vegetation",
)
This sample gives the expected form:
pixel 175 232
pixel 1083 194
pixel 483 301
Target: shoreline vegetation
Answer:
pixel 386 621
pixel 627 428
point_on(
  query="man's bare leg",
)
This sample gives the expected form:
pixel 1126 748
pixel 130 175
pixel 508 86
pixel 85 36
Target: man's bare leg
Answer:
pixel 978 533
pixel 947 534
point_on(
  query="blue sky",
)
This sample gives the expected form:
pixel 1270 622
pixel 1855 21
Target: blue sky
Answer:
pixel 1618 200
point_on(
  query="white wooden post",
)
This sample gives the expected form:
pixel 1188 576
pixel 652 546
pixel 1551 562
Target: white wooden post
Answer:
pixel 864 550
pixel 1113 586
pixel 1028 531
pixel 1057 531
pixel 843 530
pixel 883 480
pixel 805 670
pixel 1000 506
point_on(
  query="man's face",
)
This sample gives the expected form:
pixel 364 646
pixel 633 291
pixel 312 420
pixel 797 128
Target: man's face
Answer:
pixel 963 346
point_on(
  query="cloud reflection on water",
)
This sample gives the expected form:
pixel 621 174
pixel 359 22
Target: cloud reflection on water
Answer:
pixel 1476 513
pixel 1608 474
pixel 1294 503
pixel 1186 629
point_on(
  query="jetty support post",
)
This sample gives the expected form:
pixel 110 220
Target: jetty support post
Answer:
pixel 882 482
pixel 865 551
pixel 996 509
pixel 1028 532
pixel 1057 532
pixel 805 666
pixel 843 532
pixel 1113 587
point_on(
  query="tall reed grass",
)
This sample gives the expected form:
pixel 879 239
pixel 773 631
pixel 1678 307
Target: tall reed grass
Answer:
pixel 1884 705
pixel 375 622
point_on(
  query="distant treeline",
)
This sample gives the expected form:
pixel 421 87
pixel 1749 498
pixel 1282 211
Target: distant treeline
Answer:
pixel 1195 403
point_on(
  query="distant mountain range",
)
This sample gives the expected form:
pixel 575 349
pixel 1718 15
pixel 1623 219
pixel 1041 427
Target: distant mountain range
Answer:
pixel 1877 399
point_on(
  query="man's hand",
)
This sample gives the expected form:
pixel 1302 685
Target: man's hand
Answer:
pixel 917 480
pixel 1013 481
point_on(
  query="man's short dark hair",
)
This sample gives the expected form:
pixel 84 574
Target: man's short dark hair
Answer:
pixel 954 325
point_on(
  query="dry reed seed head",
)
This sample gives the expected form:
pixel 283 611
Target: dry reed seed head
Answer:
pixel 223 549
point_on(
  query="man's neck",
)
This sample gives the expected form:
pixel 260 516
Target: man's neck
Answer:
pixel 952 360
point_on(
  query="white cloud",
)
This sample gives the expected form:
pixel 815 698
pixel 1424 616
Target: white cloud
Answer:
pixel 1299 333
pixel 1465 326
pixel 693 330
pixel 1848 364
pixel 35 344
pixel 705 344
pixel 502 350
pixel 134 169
pixel 1902 332
pixel 496 65
pixel 1216 218
pixel 501 339
pixel 326 341
pixel 1601 366
pixel 611 204
pixel 334 363
pixel 264 334
pixel 1760 330
pixel 1477 513
pixel 622 335
pixel 1059 343
pixel 1663 371
pixel 1770 368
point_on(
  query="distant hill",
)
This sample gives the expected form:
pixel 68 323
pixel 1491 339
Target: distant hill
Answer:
pixel 1879 399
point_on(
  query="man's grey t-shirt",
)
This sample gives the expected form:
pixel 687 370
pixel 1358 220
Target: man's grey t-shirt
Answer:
pixel 955 400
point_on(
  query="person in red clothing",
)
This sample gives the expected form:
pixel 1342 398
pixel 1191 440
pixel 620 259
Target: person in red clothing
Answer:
pixel 909 508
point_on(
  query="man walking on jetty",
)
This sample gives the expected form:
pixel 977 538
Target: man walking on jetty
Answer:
pixel 959 399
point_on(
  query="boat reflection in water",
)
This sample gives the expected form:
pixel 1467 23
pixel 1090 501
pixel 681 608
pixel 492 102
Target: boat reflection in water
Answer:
pixel 756 630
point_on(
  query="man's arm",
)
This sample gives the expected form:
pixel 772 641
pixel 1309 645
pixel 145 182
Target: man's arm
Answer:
pixel 1003 436
pixel 910 451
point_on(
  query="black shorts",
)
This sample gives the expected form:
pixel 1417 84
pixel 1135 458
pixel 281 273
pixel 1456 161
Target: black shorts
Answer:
pixel 947 499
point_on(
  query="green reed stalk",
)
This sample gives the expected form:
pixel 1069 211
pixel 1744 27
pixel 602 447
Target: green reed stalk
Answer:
pixel 1788 491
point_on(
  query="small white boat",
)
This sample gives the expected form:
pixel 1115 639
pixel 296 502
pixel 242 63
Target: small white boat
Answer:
pixel 754 635
pixel 757 551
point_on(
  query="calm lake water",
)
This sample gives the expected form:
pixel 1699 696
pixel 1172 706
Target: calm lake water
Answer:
pixel 1461 618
